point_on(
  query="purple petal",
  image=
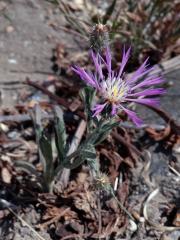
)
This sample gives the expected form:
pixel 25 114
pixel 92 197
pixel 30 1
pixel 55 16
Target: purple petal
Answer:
pixel 149 92
pixel 133 116
pixel 98 109
pixel 97 62
pixel 145 101
pixel 140 72
pixel 114 109
pixel 84 76
pixel 149 82
pixel 108 60
pixel 124 61
pixel 112 74
pixel 94 78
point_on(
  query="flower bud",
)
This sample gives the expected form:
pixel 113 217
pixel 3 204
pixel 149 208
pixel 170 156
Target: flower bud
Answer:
pixel 99 37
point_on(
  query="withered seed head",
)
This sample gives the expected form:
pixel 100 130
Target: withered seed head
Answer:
pixel 102 182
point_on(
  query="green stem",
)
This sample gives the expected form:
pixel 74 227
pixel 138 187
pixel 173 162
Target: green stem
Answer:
pixel 122 206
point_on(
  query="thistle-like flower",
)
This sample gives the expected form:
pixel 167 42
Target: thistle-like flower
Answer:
pixel 116 90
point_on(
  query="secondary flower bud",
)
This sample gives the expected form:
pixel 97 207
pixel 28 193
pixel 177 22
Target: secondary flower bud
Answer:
pixel 99 37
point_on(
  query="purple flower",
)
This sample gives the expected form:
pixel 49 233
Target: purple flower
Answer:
pixel 115 89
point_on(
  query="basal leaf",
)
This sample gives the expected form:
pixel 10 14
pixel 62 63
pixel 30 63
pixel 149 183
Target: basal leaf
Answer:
pixel 60 134
pixel 38 131
pixel 46 149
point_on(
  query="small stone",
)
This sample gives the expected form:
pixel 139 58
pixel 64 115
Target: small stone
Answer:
pixel 4 127
pixel 6 175
pixel 132 226
pixel 9 29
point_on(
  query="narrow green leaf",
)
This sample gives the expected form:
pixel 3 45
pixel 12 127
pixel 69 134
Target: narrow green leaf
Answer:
pixel 46 149
pixel 87 94
pixel 76 163
pixel 101 132
pixel 38 131
pixel 90 156
pixel 86 153
pixel 60 134
pixel 105 131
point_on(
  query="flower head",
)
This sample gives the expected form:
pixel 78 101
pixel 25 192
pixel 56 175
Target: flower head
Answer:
pixel 115 89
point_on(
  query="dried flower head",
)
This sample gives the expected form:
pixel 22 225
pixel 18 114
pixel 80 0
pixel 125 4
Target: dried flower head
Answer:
pixel 99 37
pixel 116 90
pixel 102 182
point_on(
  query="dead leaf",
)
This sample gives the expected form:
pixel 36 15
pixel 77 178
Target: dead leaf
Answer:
pixel 161 135
pixel 176 221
